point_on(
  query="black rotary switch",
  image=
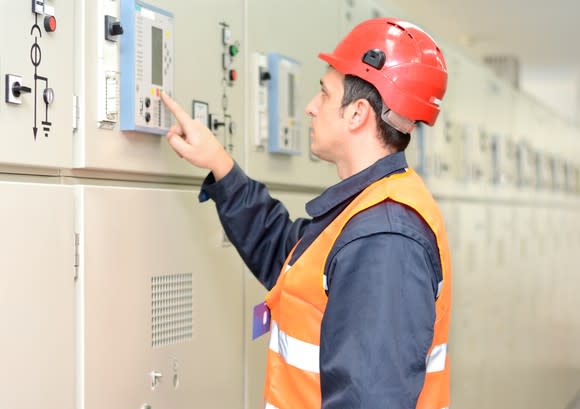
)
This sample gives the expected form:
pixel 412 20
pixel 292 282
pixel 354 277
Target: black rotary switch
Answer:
pixel 147 117
pixel 264 76
pixel 18 89
pixel 113 28
pixel 217 124
pixel 116 29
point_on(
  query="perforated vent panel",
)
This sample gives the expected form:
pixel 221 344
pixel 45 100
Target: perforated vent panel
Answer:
pixel 171 309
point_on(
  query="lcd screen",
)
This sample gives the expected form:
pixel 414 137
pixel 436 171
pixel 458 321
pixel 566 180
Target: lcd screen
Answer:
pixel 157 56
pixel 291 101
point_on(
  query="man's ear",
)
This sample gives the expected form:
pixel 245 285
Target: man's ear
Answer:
pixel 359 113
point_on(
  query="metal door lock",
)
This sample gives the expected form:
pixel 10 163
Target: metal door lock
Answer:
pixel 155 379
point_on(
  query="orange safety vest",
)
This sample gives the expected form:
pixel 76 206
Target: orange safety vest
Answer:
pixel 298 300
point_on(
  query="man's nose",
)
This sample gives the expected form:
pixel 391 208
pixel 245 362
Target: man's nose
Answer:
pixel 311 108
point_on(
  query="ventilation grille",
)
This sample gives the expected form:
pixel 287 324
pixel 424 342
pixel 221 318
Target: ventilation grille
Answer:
pixel 171 309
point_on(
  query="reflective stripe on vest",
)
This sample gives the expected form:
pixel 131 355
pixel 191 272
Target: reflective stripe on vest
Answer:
pixel 295 352
pixel 436 359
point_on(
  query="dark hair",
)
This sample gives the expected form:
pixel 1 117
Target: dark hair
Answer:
pixel 356 88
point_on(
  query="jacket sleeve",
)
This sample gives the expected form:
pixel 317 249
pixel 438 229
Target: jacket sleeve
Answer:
pixel 378 324
pixel 258 225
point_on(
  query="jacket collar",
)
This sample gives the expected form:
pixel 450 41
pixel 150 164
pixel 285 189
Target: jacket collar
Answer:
pixel 353 185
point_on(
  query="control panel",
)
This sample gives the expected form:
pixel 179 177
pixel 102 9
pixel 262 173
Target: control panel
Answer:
pixel 147 56
pixel 284 125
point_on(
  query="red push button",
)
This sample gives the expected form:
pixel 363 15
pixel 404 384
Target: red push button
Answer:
pixel 50 24
pixel 233 75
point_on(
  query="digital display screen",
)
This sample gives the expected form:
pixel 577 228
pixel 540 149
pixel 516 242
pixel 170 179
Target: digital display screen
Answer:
pixel 157 56
pixel 291 102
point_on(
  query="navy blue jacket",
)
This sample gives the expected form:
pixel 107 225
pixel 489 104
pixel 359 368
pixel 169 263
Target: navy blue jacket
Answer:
pixel 382 276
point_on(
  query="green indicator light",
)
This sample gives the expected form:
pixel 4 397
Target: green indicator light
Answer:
pixel 234 50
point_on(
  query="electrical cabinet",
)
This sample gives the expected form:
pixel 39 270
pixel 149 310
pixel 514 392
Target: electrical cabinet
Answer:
pixel 432 138
pixel 477 155
pixel 159 302
pixel 467 230
pixel 415 152
pixel 548 172
pixel 36 67
pixel 296 42
pixel 445 155
pixel 102 142
pixel 37 295
pixel 525 163
pixel 526 153
pixel 502 156
pixel 455 139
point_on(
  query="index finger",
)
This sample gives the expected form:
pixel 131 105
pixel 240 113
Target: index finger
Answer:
pixel 177 111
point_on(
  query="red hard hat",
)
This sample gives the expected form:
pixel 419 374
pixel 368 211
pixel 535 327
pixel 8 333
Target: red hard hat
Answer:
pixel 400 60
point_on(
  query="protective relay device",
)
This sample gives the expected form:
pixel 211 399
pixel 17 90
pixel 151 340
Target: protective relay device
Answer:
pixel 147 56
pixel 284 126
pixel 275 98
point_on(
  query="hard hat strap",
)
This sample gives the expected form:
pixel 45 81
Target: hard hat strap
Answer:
pixel 400 123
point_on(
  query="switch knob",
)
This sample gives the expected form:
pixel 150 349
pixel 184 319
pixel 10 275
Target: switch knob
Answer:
pixel 264 76
pixel 147 117
pixel 50 24
pixel 17 89
pixel 113 28
pixel 215 123
pixel 116 29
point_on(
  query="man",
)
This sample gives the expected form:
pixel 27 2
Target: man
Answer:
pixel 360 294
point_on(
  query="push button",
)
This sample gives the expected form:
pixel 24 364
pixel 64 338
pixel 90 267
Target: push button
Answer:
pixel 50 24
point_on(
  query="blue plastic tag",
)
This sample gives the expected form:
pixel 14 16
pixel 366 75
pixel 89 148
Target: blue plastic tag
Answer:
pixel 261 322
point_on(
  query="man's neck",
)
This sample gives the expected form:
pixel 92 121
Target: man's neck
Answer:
pixel 361 160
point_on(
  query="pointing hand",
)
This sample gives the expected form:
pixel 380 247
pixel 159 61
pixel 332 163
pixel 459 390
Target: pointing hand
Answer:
pixel 194 142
